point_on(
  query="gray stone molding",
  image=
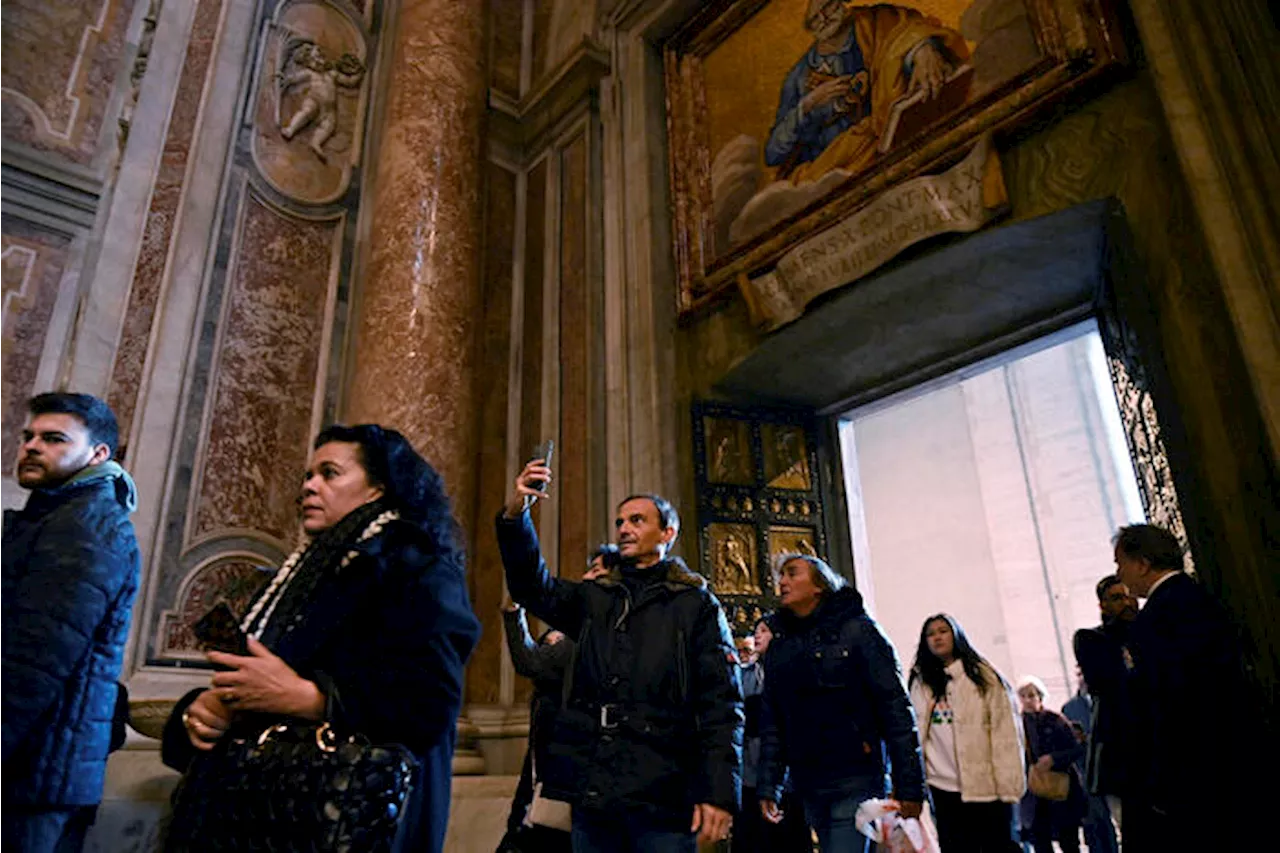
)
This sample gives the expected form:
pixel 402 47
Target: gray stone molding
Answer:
pixel 58 195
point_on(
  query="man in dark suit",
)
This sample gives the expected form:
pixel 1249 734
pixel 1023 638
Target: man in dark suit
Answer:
pixel 1190 709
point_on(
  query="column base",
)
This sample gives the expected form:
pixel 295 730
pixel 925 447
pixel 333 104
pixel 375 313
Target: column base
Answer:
pixel 500 733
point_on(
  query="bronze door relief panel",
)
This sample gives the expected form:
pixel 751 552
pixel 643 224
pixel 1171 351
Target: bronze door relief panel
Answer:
pixel 758 497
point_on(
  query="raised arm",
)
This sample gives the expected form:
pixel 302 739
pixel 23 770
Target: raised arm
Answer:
pixel 545 662
pixel 556 602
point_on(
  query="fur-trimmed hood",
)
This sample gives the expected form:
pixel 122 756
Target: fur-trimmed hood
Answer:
pixel 677 578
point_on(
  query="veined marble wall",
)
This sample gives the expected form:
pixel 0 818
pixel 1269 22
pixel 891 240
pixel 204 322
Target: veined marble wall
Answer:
pixel 66 80
pixel 182 243
pixel 60 68
pixel 34 261
pixel 267 308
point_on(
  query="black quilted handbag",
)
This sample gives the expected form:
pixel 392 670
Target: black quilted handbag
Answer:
pixel 297 787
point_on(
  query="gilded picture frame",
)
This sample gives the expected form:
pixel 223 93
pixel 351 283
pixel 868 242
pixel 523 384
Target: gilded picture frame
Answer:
pixel 778 129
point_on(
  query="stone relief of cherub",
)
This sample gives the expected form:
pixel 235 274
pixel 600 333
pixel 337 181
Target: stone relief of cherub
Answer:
pixel 305 64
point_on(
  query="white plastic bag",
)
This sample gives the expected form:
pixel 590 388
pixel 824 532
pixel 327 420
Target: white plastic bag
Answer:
pixel 879 820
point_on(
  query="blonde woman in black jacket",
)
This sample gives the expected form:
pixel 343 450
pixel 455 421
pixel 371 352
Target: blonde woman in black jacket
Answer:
pixel 835 707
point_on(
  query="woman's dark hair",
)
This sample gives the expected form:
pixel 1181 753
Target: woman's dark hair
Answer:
pixel 409 483
pixel 930 669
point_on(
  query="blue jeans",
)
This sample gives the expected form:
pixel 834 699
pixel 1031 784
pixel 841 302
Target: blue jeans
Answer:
pixel 832 818
pixel 600 832
pixel 1099 832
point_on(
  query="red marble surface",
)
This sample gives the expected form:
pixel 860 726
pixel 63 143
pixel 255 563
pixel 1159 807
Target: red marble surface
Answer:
pixel 234 580
pixel 264 375
pixel 32 266
pixel 148 274
pixel 414 343
pixel 64 57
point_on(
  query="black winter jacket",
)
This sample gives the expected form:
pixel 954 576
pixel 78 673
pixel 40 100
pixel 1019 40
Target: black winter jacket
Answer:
pixel 1100 652
pixel 653 723
pixel 1186 687
pixel 386 640
pixel 835 703
pixel 71 567
pixel 546 666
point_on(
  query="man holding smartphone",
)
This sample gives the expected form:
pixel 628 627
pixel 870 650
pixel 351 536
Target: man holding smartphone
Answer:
pixel 648 747
pixel 71 568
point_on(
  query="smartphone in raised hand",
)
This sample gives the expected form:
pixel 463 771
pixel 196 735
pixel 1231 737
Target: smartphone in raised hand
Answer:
pixel 543 451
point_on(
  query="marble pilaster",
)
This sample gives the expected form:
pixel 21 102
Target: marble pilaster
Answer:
pixel 413 356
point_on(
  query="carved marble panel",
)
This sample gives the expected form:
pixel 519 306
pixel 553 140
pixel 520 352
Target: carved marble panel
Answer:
pixel 60 62
pixel 234 578
pixel 32 263
pixel 268 372
pixel 310 100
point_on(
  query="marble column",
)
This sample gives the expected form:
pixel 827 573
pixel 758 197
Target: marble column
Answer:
pixel 418 304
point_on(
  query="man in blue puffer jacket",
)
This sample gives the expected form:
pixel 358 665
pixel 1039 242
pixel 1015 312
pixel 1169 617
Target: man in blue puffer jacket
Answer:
pixel 71 567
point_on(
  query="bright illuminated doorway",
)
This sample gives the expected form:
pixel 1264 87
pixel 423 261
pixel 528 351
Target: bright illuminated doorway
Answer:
pixel 992 494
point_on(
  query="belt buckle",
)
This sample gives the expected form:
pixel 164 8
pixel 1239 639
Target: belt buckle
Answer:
pixel 607 711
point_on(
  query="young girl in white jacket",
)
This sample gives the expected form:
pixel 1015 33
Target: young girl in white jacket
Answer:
pixel 972 738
